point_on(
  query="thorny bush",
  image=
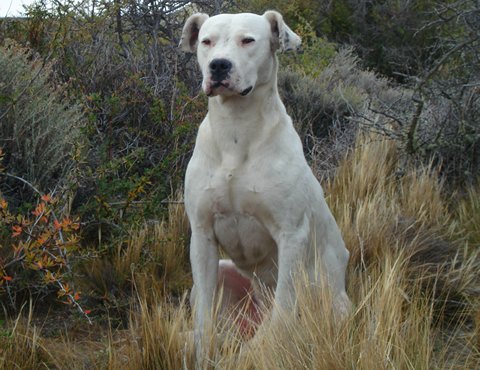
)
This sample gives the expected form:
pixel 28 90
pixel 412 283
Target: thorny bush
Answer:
pixel 37 258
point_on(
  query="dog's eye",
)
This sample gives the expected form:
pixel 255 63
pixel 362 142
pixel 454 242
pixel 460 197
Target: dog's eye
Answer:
pixel 206 42
pixel 247 40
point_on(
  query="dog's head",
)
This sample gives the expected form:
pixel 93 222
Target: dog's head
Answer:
pixel 236 52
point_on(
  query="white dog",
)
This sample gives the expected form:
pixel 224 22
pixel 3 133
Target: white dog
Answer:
pixel 248 187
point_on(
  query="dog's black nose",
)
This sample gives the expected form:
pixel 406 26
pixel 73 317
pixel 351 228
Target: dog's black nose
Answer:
pixel 219 68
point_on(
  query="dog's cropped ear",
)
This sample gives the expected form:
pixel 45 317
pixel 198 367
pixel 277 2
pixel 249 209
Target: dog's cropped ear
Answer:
pixel 283 37
pixel 189 40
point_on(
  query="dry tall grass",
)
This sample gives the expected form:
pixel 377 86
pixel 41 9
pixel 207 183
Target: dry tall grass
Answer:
pixel 20 346
pixel 413 278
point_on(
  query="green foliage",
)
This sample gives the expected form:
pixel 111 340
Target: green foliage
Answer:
pixel 301 14
pixel 317 53
pixel 338 22
pixel 124 182
pixel 140 117
pixel 296 13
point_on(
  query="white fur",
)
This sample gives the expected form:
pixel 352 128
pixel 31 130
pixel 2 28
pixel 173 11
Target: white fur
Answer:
pixel 248 187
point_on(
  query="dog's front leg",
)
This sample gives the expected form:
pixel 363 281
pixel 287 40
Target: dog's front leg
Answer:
pixel 292 250
pixel 204 261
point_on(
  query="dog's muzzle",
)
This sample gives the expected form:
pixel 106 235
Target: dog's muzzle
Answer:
pixel 219 69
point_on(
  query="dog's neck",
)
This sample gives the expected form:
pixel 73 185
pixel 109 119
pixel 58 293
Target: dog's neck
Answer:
pixel 237 106
pixel 240 125
pixel 247 112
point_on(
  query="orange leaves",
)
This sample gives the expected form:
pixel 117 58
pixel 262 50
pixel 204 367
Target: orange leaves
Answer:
pixel 67 291
pixel 46 198
pixel 43 238
pixel 42 211
pixel 43 263
pixel 66 225
pixel 4 278
pixel 42 232
pixel 17 230
pixel 42 244
pixel 57 225
pixel 39 210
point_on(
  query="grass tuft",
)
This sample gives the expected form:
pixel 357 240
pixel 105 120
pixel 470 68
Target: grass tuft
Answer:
pixel 21 345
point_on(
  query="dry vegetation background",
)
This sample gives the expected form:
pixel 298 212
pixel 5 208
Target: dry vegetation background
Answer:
pixel 98 114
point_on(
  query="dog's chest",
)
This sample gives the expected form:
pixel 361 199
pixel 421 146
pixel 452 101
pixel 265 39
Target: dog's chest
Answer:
pixel 239 213
pixel 245 240
pixel 232 188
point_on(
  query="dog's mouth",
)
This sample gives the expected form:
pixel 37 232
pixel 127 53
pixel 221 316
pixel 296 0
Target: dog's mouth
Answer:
pixel 216 87
pixel 218 84
pixel 246 91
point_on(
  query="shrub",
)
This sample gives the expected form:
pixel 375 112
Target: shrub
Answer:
pixel 35 253
pixel 433 122
pixel 39 126
pixel 326 107
pixel 152 261
pixel 137 92
pixel 39 135
pixel 431 49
